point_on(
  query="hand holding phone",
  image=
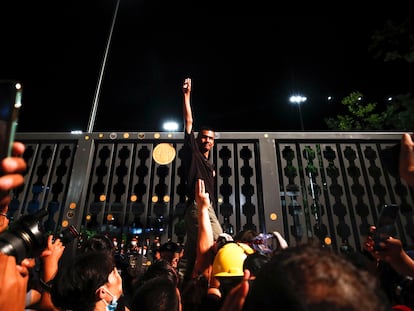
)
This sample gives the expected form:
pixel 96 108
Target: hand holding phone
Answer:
pixel 386 224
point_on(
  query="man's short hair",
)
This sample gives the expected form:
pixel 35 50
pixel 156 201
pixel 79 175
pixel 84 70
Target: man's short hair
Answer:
pixel 205 128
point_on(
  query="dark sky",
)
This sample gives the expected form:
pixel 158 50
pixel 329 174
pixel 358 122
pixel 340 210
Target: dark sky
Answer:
pixel 244 66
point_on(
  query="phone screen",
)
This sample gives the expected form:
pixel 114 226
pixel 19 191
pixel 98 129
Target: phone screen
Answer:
pixel 10 103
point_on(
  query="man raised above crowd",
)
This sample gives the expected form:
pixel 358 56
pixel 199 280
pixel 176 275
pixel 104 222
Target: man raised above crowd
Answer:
pixel 196 165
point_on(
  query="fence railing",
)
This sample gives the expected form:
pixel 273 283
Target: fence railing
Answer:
pixel 321 185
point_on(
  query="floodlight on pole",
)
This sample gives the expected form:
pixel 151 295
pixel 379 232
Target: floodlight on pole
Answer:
pixel 170 126
pixel 298 100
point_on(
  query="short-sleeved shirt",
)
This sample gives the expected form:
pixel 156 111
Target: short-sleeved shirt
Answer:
pixel 197 166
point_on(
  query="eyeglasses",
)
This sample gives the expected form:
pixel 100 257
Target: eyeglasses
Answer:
pixel 3 216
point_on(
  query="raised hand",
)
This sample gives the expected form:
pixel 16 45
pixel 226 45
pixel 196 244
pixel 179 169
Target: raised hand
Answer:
pixel 202 197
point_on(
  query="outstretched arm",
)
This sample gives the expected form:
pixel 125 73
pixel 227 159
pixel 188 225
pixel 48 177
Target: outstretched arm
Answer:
pixel 187 113
pixel 393 253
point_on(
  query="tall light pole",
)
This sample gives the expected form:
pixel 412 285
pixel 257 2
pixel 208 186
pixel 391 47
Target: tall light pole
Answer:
pixel 92 116
pixel 298 100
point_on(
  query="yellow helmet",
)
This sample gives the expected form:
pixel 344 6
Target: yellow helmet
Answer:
pixel 229 259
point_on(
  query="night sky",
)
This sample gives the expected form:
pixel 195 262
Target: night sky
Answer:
pixel 244 67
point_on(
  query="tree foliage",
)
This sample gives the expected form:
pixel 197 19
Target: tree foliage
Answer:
pixel 398 115
pixel 395 42
pixel 361 115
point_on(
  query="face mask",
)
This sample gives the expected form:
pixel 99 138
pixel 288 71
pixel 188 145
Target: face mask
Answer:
pixel 133 243
pixel 113 304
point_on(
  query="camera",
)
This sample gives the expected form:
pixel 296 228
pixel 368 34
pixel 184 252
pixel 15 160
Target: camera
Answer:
pixel 67 235
pixel 25 238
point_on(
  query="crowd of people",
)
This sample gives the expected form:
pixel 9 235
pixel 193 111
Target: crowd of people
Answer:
pixel 215 271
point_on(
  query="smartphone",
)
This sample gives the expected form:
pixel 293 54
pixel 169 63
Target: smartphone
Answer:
pixel 386 224
pixel 10 104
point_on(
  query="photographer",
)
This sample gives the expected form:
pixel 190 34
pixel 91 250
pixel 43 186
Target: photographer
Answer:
pixel 394 268
pixel 15 293
pixel 13 276
pixel 394 265
pixel 11 178
pixel 39 299
pixel 391 250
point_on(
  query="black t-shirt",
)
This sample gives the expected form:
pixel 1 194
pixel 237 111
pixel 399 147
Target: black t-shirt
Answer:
pixel 197 166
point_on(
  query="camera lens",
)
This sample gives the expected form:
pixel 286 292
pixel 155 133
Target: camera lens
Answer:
pixel 24 238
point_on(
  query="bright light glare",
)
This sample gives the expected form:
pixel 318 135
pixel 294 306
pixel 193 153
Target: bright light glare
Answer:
pixel 170 126
pixel 297 99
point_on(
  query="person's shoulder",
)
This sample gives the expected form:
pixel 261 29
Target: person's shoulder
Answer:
pixel 189 139
pixel 189 134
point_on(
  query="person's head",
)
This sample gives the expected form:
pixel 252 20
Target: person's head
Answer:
pixel 156 254
pixel 205 139
pixel 134 242
pixel 98 243
pixel 170 252
pixel 90 278
pixel 156 294
pixel 160 268
pixel 308 277
pixel 246 236
pixel 157 288
pixel 228 265
pixel 254 262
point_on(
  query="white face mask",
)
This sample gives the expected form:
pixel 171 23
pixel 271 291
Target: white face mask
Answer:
pixel 113 304
pixel 133 243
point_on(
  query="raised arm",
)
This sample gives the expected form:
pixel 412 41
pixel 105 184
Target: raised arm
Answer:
pixel 394 253
pixel 204 258
pixel 187 113
pixel 50 257
pixel 391 251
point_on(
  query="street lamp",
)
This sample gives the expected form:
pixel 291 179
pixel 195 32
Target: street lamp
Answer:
pixel 298 99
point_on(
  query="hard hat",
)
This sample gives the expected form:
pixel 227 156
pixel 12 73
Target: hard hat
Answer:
pixel 229 260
